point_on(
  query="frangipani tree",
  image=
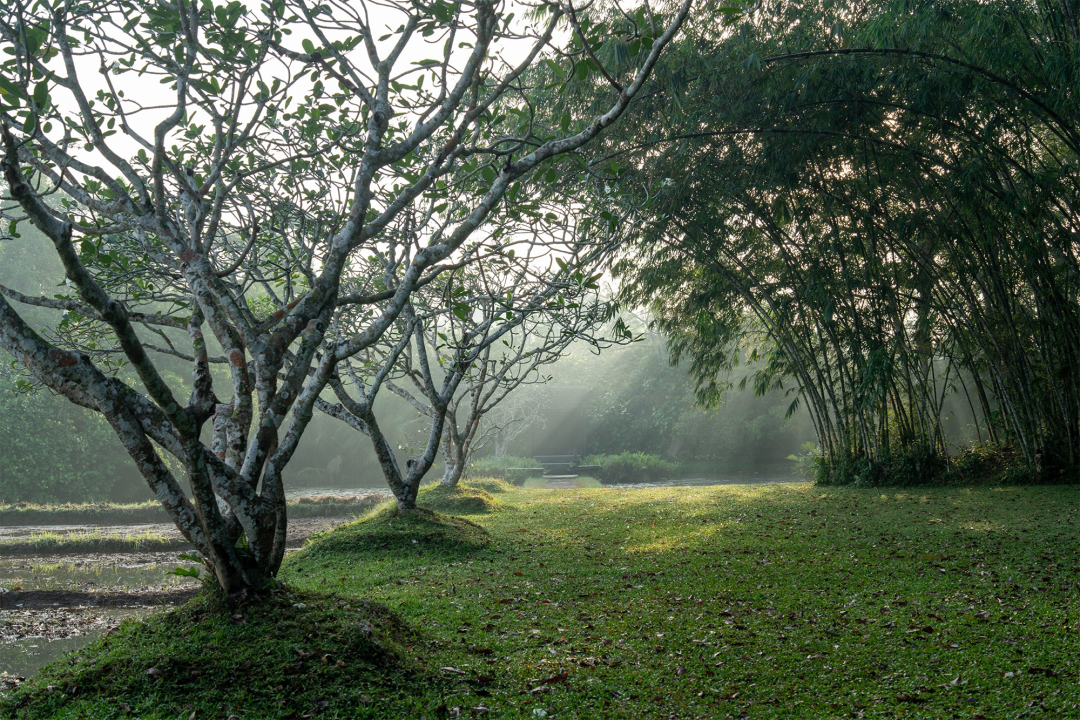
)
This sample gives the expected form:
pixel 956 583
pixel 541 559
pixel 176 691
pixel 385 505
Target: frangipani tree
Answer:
pixel 531 338
pixel 156 145
pixel 470 337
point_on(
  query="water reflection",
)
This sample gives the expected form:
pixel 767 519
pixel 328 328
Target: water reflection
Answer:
pixel 337 492
pixel 32 638
pixel 89 572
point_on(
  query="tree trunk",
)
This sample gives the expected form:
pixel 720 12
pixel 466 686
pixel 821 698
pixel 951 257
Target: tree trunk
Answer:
pixel 454 470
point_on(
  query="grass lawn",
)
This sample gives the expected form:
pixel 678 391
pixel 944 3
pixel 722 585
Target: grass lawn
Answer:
pixel 736 601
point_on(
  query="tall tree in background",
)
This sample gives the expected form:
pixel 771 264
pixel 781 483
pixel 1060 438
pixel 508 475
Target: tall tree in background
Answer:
pixel 161 175
pixel 890 190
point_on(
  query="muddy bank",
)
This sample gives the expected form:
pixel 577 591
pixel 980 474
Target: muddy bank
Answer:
pixel 31 599
pixel 29 638
pixel 45 541
pixel 56 602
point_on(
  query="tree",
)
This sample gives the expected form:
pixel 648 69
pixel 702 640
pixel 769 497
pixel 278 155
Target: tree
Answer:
pixel 889 190
pixel 244 194
pixel 471 338
pixel 565 310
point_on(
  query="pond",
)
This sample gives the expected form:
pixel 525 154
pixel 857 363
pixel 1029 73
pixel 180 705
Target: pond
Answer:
pixel 33 637
pixel 32 634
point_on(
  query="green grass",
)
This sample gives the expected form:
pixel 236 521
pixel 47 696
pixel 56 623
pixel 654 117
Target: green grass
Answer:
pixel 491 485
pixel 465 498
pixel 285 657
pixel 152 512
pixel 581 481
pixel 778 601
pixel 91 541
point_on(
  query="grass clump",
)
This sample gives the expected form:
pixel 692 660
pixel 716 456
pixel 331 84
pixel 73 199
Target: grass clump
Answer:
pixel 580 482
pixel 24 513
pixel 633 467
pixel 290 655
pixel 333 506
pixel 91 541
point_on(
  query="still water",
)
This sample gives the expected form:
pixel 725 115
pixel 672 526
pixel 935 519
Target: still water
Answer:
pixel 32 638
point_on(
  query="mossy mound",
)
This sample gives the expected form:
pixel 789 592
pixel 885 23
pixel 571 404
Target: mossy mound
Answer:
pixel 491 484
pixel 289 655
pixel 465 498
pixel 387 530
pixel 581 481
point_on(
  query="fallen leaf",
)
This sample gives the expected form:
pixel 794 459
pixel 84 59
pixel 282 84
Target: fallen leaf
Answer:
pixel 561 677
pixel 904 697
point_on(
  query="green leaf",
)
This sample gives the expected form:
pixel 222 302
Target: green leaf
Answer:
pixel 41 94
pixel 10 92
pixel 556 68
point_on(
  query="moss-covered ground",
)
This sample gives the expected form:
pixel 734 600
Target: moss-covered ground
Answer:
pixel 781 601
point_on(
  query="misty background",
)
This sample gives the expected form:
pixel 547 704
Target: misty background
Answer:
pixel 626 398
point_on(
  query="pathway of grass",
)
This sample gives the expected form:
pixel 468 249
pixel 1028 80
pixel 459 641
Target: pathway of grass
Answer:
pixel 740 601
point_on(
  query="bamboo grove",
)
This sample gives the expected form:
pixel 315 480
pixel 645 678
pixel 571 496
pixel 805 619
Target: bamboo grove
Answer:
pixel 887 196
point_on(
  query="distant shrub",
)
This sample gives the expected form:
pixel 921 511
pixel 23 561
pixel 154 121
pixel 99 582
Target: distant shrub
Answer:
pixel 498 464
pixel 54 452
pixel 630 467
pixel 810 463
pixel 978 464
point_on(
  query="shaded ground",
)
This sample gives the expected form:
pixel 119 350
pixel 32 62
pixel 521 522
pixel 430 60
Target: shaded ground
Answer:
pixel 14 599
